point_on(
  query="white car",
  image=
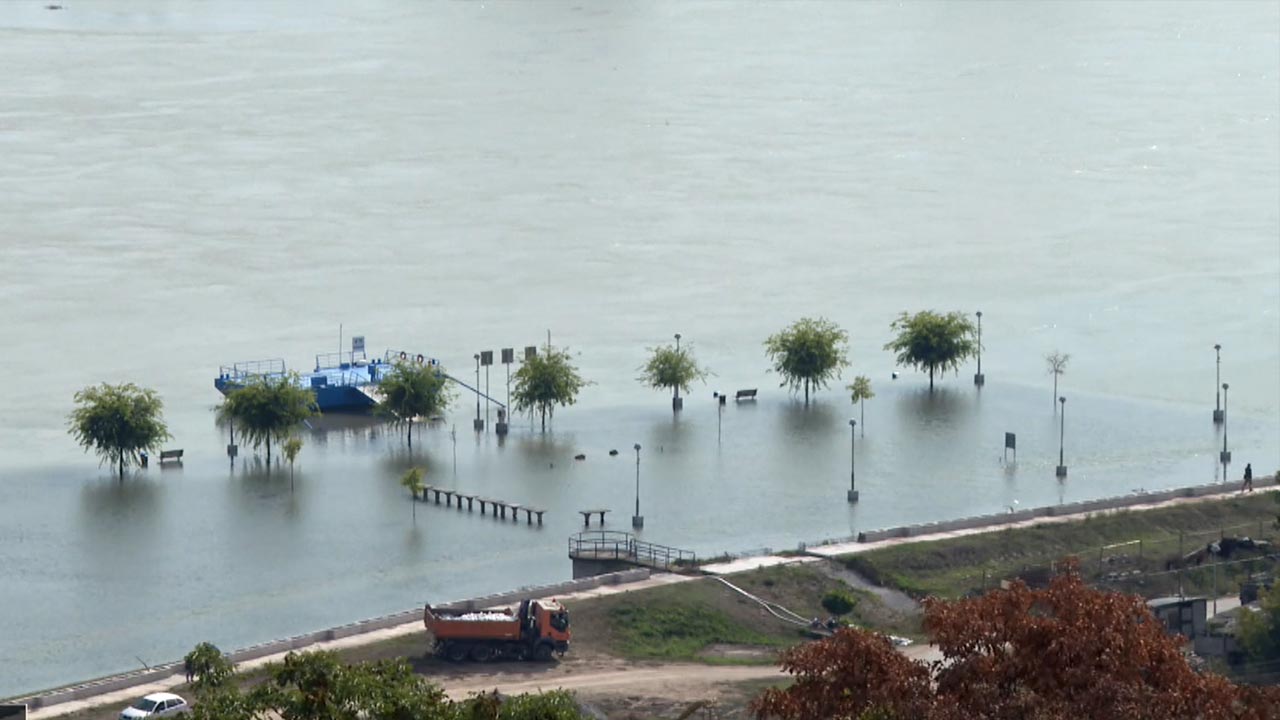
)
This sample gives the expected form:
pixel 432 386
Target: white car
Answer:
pixel 156 705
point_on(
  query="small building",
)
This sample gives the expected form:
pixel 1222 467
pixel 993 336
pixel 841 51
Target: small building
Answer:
pixel 1182 616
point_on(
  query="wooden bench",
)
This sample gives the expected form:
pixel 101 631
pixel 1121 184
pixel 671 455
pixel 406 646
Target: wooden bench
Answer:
pixel 745 395
pixel 170 456
pixel 586 516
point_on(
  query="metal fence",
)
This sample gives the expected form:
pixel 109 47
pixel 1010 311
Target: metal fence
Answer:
pixel 614 545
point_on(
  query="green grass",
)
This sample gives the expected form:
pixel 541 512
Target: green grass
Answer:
pixel 961 566
pixel 681 621
pixel 675 630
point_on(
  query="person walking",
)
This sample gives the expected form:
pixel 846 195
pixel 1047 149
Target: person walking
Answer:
pixel 1248 478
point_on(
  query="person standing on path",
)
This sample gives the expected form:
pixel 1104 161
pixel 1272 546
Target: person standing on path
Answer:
pixel 1248 478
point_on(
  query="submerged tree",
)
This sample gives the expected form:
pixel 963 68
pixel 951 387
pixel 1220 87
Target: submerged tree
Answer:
pixel 860 392
pixel 930 341
pixel 1057 365
pixel 268 408
pixel 1064 652
pixel 118 423
pixel 808 353
pixel 412 391
pixel 291 448
pixel 412 481
pixel 546 380
pixel 668 367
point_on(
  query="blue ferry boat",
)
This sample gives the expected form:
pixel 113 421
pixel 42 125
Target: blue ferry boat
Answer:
pixel 341 380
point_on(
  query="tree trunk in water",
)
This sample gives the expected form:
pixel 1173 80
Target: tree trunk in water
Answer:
pixel 862 407
pixel 410 433
pixel 268 452
pixel 544 419
pixel 1055 393
pixel 290 477
pixel 414 499
pixel 806 391
pixel 122 465
pixel 930 379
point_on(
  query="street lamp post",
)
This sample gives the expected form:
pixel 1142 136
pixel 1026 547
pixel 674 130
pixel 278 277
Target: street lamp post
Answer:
pixel 979 379
pixel 637 520
pixel 478 424
pixel 1225 457
pixel 1062 434
pixel 676 402
pixel 1218 414
pixel 853 477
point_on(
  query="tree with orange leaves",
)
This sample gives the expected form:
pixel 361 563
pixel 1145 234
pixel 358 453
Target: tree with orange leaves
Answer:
pixel 1061 653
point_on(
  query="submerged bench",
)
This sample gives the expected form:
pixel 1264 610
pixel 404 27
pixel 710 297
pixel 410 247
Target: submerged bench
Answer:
pixel 170 456
pixel 586 516
pixel 745 394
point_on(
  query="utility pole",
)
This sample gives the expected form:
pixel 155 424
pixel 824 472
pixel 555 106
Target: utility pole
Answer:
pixel 853 476
pixel 979 379
pixel 637 520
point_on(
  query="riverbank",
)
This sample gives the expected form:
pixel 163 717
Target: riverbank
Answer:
pixel 1235 511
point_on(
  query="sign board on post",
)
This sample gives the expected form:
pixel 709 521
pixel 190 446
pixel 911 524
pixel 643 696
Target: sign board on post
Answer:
pixel 530 352
pixel 486 357
pixel 508 356
pixel 357 344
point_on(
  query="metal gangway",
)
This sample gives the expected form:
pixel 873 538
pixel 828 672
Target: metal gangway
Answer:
pixel 625 547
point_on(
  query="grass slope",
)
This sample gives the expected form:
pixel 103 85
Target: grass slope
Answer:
pixel 958 566
pixel 681 622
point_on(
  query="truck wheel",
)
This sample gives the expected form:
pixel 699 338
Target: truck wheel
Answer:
pixel 542 652
pixel 456 652
pixel 481 653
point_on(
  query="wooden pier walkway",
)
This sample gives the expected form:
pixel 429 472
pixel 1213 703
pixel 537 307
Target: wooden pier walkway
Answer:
pixel 499 507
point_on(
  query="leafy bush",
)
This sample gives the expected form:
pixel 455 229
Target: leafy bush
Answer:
pixel 839 602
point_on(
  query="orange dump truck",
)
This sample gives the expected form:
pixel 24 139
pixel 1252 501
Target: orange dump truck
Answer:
pixel 537 630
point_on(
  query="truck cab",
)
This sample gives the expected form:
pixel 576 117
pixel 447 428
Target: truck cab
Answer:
pixel 549 621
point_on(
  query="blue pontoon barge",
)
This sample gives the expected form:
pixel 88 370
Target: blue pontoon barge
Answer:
pixel 341 381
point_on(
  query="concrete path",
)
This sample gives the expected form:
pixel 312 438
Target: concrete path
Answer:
pixel 753 563
pixel 852 547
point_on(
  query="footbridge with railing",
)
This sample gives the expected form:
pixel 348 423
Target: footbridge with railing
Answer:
pixel 596 551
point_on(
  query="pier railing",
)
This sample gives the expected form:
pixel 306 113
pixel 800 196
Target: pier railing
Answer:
pixel 623 546
pixel 252 368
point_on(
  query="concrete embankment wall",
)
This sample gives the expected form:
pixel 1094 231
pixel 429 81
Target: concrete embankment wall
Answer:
pixel 298 642
pixel 1076 508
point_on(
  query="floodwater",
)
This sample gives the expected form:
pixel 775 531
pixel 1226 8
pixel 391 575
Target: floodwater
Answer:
pixel 191 184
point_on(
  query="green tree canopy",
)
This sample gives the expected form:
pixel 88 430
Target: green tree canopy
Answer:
pixel 546 380
pixel 1260 631
pixel 808 353
pixel 268 408
pixel 412 481
pixel 411 391
pixel 668 367
pixel 208 667
pixel 291 448
pixel 318 686
pixel 930 341
pixel 118 422
pixel 860 392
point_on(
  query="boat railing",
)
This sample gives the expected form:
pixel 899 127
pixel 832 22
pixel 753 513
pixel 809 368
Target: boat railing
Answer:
pixel 252 368
pixel 329 361
pixel 391 357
